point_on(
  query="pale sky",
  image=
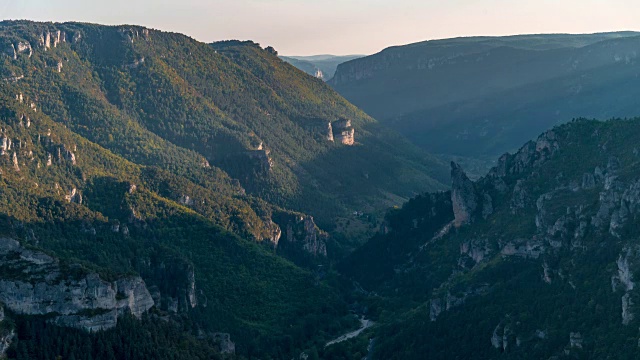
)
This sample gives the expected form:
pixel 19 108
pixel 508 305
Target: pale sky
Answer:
pixel 307 27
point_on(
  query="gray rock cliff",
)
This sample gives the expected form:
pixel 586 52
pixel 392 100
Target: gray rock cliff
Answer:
pixel 463 196
pixel 34 283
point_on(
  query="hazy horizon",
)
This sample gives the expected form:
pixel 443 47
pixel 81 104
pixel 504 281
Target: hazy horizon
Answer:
pixel 337 27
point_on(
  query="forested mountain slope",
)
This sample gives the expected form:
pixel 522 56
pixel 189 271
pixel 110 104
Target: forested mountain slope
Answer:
pixel 165 99
pixel 481 96
pixel 146 175
pixel 538 259
pixel 101 229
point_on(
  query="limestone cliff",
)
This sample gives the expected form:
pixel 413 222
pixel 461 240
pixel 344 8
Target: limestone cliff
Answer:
pixel 300 236
pixel 343 132
pixel 172 282
pixel 34 283
pixel 463 196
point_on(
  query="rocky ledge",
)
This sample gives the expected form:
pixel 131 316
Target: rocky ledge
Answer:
pixel 343 132
pixel 34 283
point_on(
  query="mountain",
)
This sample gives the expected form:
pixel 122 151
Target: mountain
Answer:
pixel 166 198
pixel 536 260
pixel 321 66
pixel 87 237
pixel 478 97
pixel 173 102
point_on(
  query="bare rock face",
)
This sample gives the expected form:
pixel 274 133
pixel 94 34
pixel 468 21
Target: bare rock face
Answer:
pixel 24 47
pixel 74 196
pixel 16 166
pixel 343 132
pixel 134 296
pixel 500 337
pixel 5 144
pixel 301 232
pixel 531 155
pixel 45 40
pixel 463 196
pixel 330 132
pixel 450 300
pixel 64 154
pixel 178 296
pixel 623 280
pixel 224 340
pixel 275 231
pixel 575 340
pixel 59 37
pixel 186 200
pixel 134 33
pixel 6 336
pixel 33 283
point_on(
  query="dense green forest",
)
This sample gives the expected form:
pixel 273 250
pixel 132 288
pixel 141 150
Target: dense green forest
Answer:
pixel 164 198
pixel 166 100
pixel 543 267
pixel 134 152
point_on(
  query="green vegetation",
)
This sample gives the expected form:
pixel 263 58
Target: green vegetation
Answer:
pixel 137 152
pixel 478 97
pixel 446 297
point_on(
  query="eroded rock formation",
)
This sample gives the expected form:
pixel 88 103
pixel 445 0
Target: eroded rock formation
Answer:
pixel 343 132
pixel 300 235
pixel 34 283
pixel 463 196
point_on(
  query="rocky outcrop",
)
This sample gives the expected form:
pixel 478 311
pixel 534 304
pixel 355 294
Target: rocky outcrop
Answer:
pixel 59 37
pixel 500 337
pixel 532 154
pixel 34 283
pixel 224 341
pixel 74 196
pixel 450 300
pixel 6 335
pixel 24 47
pixel 14 78
pixel 463 196
pixel 623 280
pixel 343 132
pixel 186 200
pixel 64 154
pixel 274 231
pixel 575 340
pixel 300 235
pixel 329 132
pixel 5 145
pixel 134 33
pixel 262 158
pixel 47 39
pixel 472 252
pixel 6 339
pixel 179 295
pixel 14 161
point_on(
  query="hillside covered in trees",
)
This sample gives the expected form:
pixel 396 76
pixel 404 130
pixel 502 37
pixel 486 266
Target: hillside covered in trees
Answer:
pixel 174 193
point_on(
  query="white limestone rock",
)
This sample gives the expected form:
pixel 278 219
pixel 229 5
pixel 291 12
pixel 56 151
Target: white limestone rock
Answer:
pixel 41 287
